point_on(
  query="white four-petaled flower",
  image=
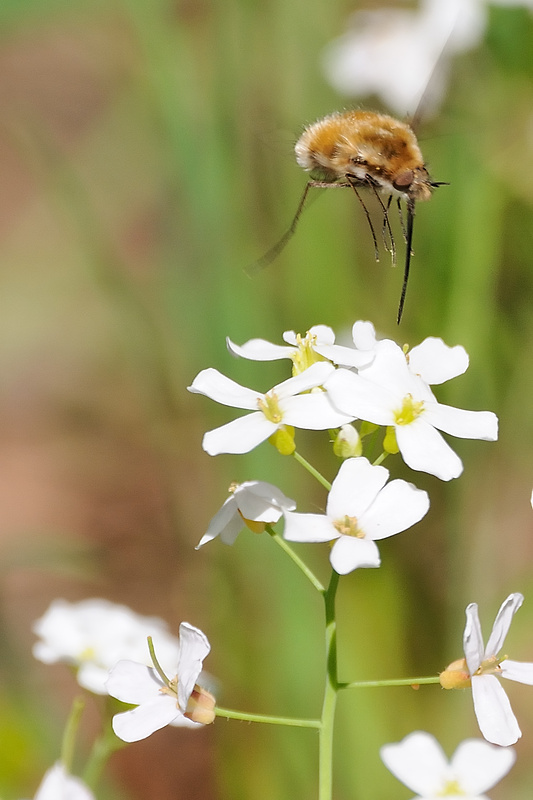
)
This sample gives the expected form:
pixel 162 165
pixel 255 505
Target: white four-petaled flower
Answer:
pixel 419 762
pixel 158 704
pixel 361 508
pixel 284 405
pixel 252 503
pixel 389 392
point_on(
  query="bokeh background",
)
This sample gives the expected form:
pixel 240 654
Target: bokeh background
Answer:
pixel 145 160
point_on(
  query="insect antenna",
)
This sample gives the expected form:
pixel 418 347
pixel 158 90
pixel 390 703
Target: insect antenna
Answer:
pixel 353 183
pixel 274 251
pixel 408 253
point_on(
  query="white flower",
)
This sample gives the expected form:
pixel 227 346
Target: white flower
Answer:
pixel 252 503
pixel 419 762
pixel 156 703
pixel 281 406
pixel 57 784
pixel 480 667
pixel 387 392
pixel 94 634
pixel 360 509
pixel 300 349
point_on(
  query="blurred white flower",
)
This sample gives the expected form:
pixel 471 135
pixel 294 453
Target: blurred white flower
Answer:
pixel 361 508
pixel 252 503
pixel 419 762
pixel 93 635
pixel 181 703
pixel 480 669
pixel 57 784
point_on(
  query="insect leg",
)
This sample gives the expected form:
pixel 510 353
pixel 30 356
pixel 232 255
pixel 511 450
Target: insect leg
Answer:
pixel 353 184
pixel 386 225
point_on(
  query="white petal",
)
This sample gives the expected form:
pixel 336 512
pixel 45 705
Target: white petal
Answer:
pixel 315 375
pixel 462 423
pixel 479 765
pixel 349 553
pixel 240 435
pixel 222 519
pixel 133 683
pixel 57 784
pixel 519 671
pixel 345 356
pixel 261 501
pixel 389 369
pixel 140 722
pixel 398 506
pixel 308 528
pixel 313 411
pixel 493 710
pixel 364 335
pixel 436 362
pixel 363 399
pixel 355 488
pixel 473 639
pixel 259 350
pixel 502 623
pixel 419 762
pixel 324 335
pixel 424 449
pixel 213 384
pixel 194 647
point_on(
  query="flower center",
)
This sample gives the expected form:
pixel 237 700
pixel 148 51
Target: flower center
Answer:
pixel 348 526
pixel 304 356
pixel 451 788
pixel 270 407
pixel 410 410
pixel 490 666
pixel 171 689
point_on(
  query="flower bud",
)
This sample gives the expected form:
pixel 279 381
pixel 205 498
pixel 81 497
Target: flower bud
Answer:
pixel 201 706
pixel 347 443
pixel 283 440
pixel 456 675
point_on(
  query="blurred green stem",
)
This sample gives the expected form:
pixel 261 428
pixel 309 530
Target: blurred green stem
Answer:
pixel 71 731
pixel 297 560
pixel 325 758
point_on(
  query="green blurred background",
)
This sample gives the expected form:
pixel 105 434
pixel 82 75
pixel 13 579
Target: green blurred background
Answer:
pixel 145 160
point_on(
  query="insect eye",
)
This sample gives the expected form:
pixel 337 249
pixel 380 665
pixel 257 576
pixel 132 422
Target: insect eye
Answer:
pixel 404 180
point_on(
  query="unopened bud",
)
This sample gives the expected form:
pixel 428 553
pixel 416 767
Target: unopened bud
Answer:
pixel 390 445
pixel 283 440
pixel 347 443
pixel 456 675
pixel 201 706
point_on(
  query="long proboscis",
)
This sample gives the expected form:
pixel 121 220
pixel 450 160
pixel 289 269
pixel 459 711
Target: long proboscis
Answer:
pixel 408 254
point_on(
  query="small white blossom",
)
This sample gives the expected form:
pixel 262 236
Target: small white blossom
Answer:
pixel 480 669
pixel 252 503
pixel 360 510
pixel 93 635
pixel 158 704
pixel 57 784
pixel 387 392
pixel 282 406
pixel 302 350
pixel 419 762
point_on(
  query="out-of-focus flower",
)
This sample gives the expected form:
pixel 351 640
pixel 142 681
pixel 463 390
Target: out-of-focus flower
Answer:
pixel 93 635
pixel 360 510
pixel 282 407
pixel 252 503
pixel 480 669
pixel 57 784
pixel 181 702
pixel 419 762
pixel 387 392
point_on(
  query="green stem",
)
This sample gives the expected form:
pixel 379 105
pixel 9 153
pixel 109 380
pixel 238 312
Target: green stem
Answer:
pixel 103 748
pixel 314 472
pixel 380 459
pixel 393 682
pixel 325 757
pixel 71 731
pixel 268 720
pixel 297 560
pixel 156 663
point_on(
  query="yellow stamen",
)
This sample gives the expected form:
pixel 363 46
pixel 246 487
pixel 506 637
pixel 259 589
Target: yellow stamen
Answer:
pixel 410 410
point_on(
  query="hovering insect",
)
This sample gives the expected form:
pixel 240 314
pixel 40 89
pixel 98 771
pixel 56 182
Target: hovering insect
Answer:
pixel 364 150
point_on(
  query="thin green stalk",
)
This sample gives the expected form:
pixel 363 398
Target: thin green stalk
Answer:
pixel 268 720
pixel 314 472
pixel 297 560
pixel 102 749
pixel 71 731
pixel 325 757
pixel 156 663
pixel 393 682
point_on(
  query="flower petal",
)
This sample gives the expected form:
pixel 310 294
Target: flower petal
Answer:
pixel 398 506
pixel 462 423
pixel 436 362
pixel 417 761
pixel 213 384
pixel 424 449
pixel 194 647
pixel 57 784
pixel 349 553
pixel 308 528
pixel 323 333
pixel 140 722
pixel 519 671
pixel 133 683
pixel 222 522
pixel 313 412
pixel 261 501
pixel 502 623
pixel 479 765
pixel 355 488
pixel 345 356
pixel 493 710
pixel 240 435
pixel 351 394
pixel 259 350
pixel 473 639
pixel 315 375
